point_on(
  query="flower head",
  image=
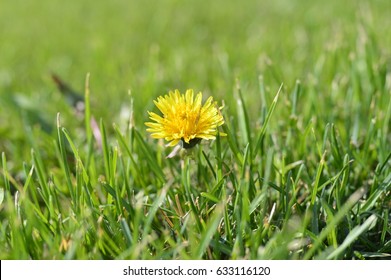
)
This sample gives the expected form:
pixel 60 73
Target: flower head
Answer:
pixel 185 118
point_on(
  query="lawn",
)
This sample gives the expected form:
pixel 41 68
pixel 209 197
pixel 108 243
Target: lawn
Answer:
pixel 300 170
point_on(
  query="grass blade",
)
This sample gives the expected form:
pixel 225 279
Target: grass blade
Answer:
pixel 352 236
pixel 262 132
pixel 353 199
pixel 5 172
pixel 210 230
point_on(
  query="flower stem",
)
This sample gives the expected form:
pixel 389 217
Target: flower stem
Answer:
pixel 186 183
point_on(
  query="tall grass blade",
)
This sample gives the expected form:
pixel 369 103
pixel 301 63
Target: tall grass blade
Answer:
pixel 262 131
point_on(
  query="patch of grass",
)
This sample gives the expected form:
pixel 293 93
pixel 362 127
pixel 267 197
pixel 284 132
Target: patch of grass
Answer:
pixel 303 173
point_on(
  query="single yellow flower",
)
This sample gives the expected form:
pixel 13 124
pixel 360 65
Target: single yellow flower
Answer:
pixel 184 118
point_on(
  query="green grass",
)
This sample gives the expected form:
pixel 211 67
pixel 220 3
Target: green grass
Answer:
pixel 303 173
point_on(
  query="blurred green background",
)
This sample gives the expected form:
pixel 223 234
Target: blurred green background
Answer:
pixel 150 47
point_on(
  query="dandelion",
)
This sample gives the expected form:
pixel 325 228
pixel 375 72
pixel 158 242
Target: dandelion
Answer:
pixel 185 119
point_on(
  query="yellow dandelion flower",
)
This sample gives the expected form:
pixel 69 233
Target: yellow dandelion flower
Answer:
pixel 185 118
